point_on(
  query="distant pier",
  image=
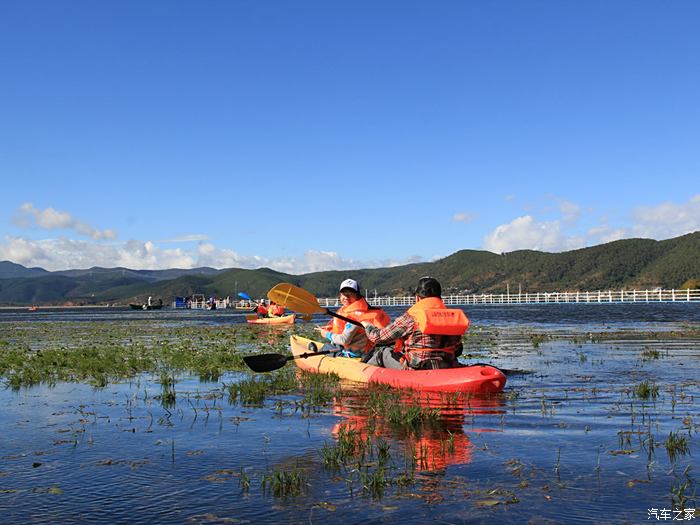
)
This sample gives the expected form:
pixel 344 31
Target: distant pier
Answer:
pixel 596 297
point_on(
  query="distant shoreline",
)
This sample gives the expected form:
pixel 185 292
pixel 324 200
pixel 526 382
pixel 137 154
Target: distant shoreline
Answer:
pixel 60 307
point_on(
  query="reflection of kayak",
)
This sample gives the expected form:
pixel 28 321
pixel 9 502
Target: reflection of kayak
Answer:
pixel 434 449
pixel 476 379
pixel 285 319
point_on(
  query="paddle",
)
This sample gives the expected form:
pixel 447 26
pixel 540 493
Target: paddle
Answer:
pixel 299 300
pixel 247 297
pixel 270 362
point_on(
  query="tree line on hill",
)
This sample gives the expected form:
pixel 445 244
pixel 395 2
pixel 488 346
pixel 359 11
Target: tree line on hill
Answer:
pixel 629 264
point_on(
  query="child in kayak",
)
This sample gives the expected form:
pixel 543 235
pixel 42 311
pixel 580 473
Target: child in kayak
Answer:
pixel 348 339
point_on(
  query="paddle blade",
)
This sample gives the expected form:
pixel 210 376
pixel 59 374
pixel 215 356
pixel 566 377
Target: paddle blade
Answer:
pixel 265 362
pixel 245 296
pixel 295 298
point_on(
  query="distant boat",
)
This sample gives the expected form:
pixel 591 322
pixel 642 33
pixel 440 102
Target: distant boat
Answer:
pixel 246 308
pixel 33 308
pixel 145 306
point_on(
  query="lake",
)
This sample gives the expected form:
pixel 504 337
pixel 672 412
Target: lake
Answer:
pixel 116 416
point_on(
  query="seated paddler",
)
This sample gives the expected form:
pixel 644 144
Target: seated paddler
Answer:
pixel 428 335
pixel 275 310
pixel 347 339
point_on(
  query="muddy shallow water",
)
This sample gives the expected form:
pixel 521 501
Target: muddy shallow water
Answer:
pixel 598 423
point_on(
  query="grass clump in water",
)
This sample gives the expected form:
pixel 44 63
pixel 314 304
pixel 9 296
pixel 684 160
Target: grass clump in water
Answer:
pixel 319 389
pixel 646 390
pixel 649 354
pixel 676 446
pixel 283 483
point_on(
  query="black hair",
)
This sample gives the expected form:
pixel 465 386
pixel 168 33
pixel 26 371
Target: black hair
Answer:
pixel 428 287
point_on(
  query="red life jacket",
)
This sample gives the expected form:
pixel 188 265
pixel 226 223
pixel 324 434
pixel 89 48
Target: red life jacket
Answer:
pixel 434 320
pixel 361 311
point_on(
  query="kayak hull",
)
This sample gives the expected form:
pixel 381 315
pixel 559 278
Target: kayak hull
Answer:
pixel 285 319
pixel 477 379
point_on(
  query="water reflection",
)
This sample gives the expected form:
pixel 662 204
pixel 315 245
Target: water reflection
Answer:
pixel 429 428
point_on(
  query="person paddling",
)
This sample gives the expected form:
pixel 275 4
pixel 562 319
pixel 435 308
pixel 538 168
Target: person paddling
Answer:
pixel 261 309
pixel 349 339
pixel 428 335
pixel 275 310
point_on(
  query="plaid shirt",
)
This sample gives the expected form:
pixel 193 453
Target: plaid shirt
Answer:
pixel 404 327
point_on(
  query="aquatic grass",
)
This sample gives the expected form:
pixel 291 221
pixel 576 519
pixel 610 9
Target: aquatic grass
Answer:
pixel 538 339
pixel 649 354
pixel 411 417
pixel 249 392
pixel 676 446
pixel 101 352
pixel 168 396
pixel 680 486
pixel 319 389
pixel 374 481
pixel 284 483
pixel 646 390
pixel 255 389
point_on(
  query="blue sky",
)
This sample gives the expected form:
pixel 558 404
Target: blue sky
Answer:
pixel 309 136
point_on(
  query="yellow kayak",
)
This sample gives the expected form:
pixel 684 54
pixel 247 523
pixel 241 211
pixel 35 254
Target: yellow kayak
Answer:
pixel 475 379
pixel 285 319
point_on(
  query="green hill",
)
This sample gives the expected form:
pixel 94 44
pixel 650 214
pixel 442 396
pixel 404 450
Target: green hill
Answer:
pixel 629 263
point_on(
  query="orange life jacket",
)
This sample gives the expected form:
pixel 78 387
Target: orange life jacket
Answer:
pixel 275 310
pixel 361 311
pixel 432 318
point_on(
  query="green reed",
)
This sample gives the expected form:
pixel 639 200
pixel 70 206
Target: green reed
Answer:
pixel 646 390
pixel 102 352
pixel 284 483
pixel 676 445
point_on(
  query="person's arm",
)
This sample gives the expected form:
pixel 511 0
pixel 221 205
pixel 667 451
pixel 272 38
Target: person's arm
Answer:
pixel 400 328
pixel 348 335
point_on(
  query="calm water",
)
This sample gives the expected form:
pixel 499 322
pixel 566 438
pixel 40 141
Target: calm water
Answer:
pixel 561 315
pixel 568 441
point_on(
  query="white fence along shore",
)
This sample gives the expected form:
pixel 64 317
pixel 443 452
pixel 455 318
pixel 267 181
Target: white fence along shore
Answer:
pixel 600 296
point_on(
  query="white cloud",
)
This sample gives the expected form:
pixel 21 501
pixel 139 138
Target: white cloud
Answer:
pixel 667 219
pixel 525 233
pixel 63 254
pixel 464 217
pixel 662 221
pixel 50 219
pixel 194 237
pixel 658 222
pixel 21 251
pixel 570 211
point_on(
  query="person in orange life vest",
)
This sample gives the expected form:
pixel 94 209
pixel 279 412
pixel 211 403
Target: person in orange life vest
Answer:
pixel 275 310
pixel 261 309
pixel 428 335
pixel 349 339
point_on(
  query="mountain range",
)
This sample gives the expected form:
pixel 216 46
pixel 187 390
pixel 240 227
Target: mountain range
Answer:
pixel 628 263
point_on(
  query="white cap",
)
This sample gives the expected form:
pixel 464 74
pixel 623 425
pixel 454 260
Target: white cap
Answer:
pixel 350 283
